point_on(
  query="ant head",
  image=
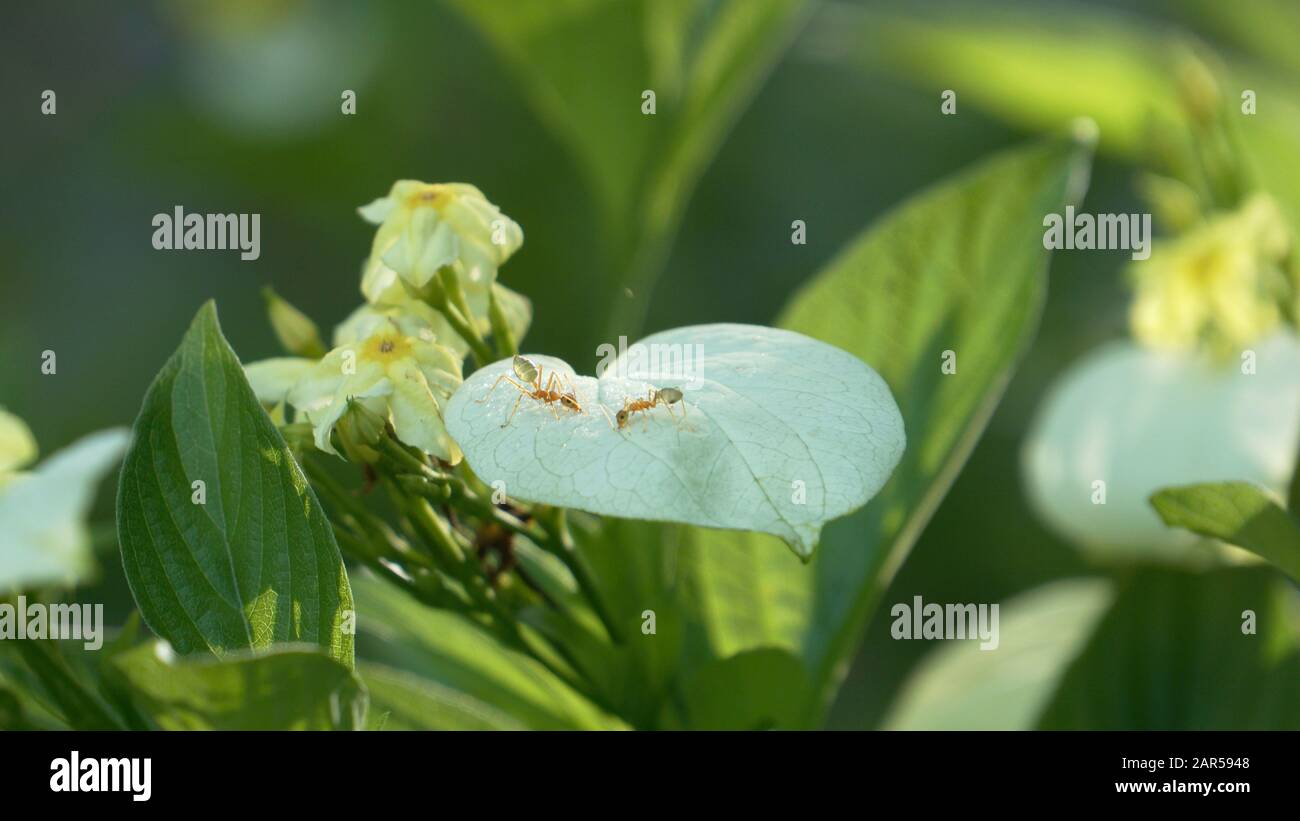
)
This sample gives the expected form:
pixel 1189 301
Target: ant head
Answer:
pixel 569 401
pixel 621 418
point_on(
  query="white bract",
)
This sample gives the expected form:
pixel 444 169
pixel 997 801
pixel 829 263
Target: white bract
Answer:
pixel 776 432
pixel 1139 420
pixel 43 537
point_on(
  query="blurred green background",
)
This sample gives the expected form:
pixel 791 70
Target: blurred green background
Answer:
pixel 235 108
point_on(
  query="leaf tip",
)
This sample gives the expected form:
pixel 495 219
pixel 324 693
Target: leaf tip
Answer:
pixel 205 320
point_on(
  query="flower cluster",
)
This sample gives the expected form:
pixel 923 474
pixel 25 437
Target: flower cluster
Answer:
pixel 1222 285
pixel 431 296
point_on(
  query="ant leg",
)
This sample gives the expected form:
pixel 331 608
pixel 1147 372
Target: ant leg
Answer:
pixel 507 378
pixel 514 410
pixel 608 418
pixel 550 394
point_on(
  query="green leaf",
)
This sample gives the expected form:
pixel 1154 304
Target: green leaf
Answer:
pixel 641 573
pixel 460 656
pixel 1238 513
pixel 287 688
pixel 1188 651
pixel 773 431
pixel 1122 71
pixel 998 59
pixel 401 701
pixel 761 689
pixel 702 60
pixel 958 268
pixel 70 690
pixel 256 564
pixel 11 712
pixel 960 686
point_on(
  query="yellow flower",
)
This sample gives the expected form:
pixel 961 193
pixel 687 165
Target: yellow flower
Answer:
pixel 424 227
pixel 17 445
pixel 1218 285
pixel 410 316
pixel 396 370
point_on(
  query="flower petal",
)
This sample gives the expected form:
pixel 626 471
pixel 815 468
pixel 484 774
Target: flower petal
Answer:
pixel 273 379
pixel 417 415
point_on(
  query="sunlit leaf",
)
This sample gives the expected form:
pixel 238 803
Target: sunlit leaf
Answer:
pixel 955 275
pixel 288 688
pixel 245 558
pixel 774 432
pixel 460 656
pixel 402 701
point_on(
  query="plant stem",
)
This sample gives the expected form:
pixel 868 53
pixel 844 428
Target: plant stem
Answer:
pixel 505 341
pixel 379 541
pixel 403 457
pixel 561 544
pixel 462 324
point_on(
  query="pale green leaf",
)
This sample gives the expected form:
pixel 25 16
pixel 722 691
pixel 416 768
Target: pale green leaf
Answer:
pixel 960 686
pixel 776 432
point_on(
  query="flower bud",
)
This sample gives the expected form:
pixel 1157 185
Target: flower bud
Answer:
pixel 1197 87
pixel 360 430
pixel 296 332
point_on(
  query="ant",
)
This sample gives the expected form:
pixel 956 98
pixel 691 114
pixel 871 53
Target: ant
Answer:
pixel 660 396
pixel 530 384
